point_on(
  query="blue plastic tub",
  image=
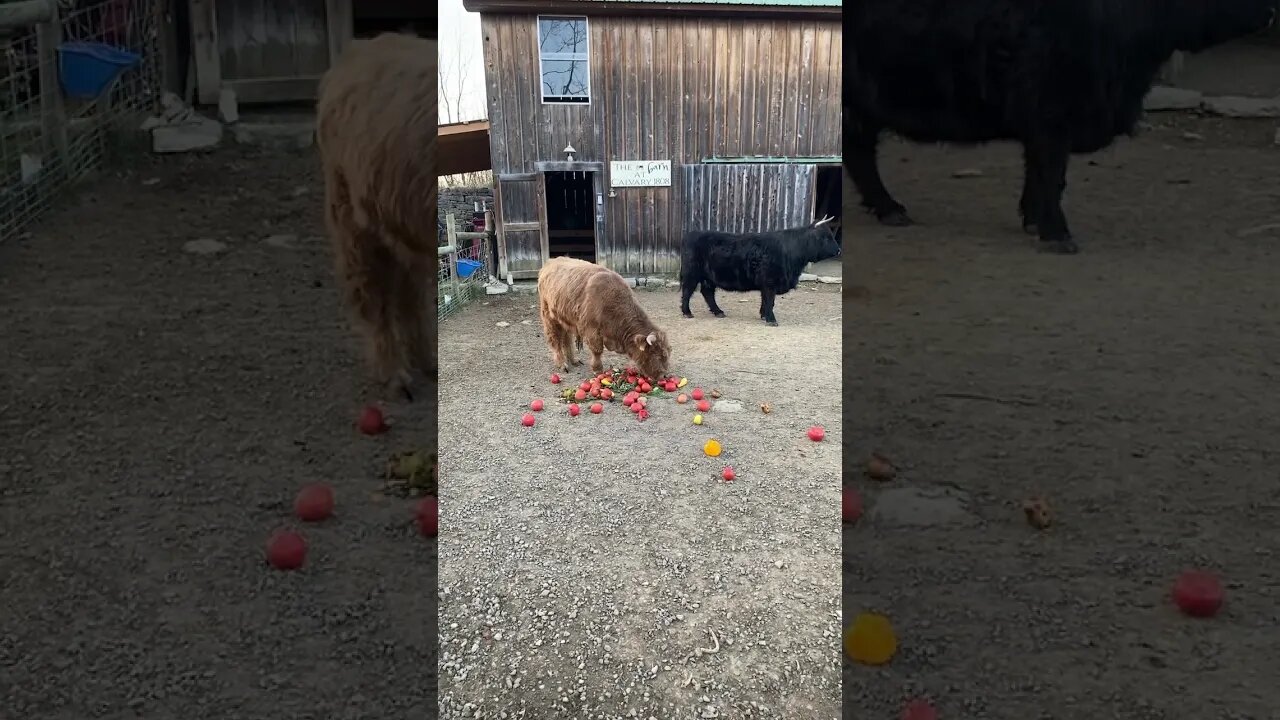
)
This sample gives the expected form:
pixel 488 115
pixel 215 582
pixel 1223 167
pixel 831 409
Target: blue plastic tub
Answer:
pixel 467 267
pixel 87 69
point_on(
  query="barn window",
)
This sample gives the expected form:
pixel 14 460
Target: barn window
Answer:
pixel 562 55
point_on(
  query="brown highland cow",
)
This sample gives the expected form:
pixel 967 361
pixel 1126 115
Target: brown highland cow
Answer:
pixel 376 132
pixel 578 299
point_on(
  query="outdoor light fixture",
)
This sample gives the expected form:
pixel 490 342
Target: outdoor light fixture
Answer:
pixel 568 152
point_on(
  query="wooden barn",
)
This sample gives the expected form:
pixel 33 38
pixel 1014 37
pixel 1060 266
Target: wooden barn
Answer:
pixel 615 125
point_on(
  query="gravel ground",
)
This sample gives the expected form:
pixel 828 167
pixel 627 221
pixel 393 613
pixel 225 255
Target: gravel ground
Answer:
pixel 588 559
pixel 158 411
pixel 1132 387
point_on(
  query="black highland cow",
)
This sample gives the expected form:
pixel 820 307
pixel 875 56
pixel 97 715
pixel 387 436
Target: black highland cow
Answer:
pixel 1058 76
pixel 770 262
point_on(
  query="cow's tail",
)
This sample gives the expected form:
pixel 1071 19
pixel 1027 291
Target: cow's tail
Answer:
pixel 690 262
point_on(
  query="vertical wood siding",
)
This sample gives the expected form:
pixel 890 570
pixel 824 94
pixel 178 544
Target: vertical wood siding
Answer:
pixel 678 89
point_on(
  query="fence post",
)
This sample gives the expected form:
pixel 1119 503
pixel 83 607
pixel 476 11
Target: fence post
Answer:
pixel 53 113
pixel 452 230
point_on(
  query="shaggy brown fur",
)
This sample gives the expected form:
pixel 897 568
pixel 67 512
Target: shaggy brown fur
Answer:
pixel 376 132
pixel 580 299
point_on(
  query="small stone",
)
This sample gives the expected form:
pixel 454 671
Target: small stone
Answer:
pixel 967 173
pixel 729 406
pixel 766 408
pixel 503 323
pixel 1192 136
pixel 808 277
pixel 200 134
pixel 150 181
pixel 228 108
pixel 1163 97
pixel 921 507
pixel 830 280
pixel 281 241
pixel 204 246
pixel 879 468
pixel 1243 107
pixel 1037 512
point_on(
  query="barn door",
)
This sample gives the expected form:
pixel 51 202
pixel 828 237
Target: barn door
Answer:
pixel 521 239
pixel 748 197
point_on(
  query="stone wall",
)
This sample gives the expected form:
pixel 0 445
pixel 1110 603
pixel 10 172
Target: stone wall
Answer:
pixel 461 201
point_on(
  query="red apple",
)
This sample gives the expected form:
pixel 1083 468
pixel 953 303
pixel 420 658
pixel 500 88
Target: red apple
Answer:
pixel 728 474
pixel 527 420
pixel 850 505
pixel 579 394
pixel 682 398
pixel 555 379
pixel 585 386
pixel 703 406
pixel 595 392
pixel 314 503
pixel 574 410
pixel 606 393
pixel 536 406
pixel 697 393
pixel 1198 593
pixel 637 406
pixel 816 433
pixel 919 710
pixel 428 516
pixel 646 387
pixel 371 421
pixel 642 414
pixel 286 550
pixel 596 408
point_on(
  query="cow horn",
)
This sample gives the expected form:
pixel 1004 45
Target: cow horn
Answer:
pixel 653 338
pixel 824 221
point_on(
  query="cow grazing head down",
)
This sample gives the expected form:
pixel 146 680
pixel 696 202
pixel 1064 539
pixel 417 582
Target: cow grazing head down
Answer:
pixel 1197 25
pixel 651 353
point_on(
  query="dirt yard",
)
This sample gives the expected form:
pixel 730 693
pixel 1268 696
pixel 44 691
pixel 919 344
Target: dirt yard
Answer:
pixel 588 559
pixel 159 409
pixel 1133 387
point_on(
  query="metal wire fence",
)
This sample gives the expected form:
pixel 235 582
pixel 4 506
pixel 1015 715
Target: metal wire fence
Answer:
pixel 465 268
pixel 56 125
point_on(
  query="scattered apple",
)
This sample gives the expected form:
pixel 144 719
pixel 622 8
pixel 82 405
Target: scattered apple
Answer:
pixel 1198 593
pixel 596 408
pixel 697 419
pixel 683 382
pixel 703 406
pixel 428 516
pixel 527 420
pixel 536 406
pixel 728 474
pixel 645 387
pixel 574 410
pixel 919 710
pixel 555 379
pixel 314 503
pixel 816 433
pixel 637 406
pixel 682 398
pixel 606 394
pixel 697 393
pixel 371 421
pixel 585 386
pixel 579 394
pixel 286 550
pixel 850 505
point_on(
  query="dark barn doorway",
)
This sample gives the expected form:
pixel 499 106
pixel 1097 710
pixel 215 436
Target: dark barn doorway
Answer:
pixel 571 215
pixel 828 196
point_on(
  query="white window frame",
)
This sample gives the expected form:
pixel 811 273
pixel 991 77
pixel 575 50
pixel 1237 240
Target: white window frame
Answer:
pixel 537 33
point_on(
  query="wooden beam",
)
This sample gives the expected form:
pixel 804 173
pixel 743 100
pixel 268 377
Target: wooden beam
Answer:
pixel 204 46
pixel 563 166
pixel 694 9
pixel 274 89
pixel 22 15
pixel 340 25
pixel 52 109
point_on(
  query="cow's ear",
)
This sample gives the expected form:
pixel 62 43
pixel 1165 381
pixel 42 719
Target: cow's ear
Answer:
pixel 641 341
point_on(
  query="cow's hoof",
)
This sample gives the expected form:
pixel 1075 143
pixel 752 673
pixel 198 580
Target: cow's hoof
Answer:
pixel 687 314
pixel 718 314
pixel 1060 247
pixel 894 218
pixel 1030 228
pixel 771 323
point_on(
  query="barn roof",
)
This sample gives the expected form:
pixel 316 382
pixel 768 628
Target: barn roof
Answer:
pixel 764 8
